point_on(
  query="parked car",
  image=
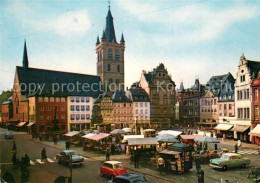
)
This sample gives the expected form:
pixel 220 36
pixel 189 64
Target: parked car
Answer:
pixel 9 135
pixel 65 156
pixel 129 178
pixel 112 169
pixel 229 160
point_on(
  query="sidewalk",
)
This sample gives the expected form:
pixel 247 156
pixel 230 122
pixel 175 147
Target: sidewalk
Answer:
pixel 244 145
pixel 126 160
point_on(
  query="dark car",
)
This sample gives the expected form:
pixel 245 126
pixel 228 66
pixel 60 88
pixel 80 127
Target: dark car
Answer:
pixel 9 135
pixel 65 156
pixel 129 178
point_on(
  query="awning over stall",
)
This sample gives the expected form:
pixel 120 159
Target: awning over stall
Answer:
pixel 190 137
pixel 21 124
pixel 88 135
pixel 255 131
pixel 172 132
pixel 169 152
pixel 142 141
pixel 98 137
pixel 30 124
pixel 71 134
pixel 224 127
pixel 240 128
pixel 126 137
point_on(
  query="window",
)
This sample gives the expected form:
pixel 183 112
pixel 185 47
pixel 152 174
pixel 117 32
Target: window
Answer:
pixel 110 54
pixel 136 104
pixel 82 108
pixel 77 107
pixel 145 104
pixel 57 99
pixel 62 108
pixel 40 99
pixel 215 101
pixel 247 93
pixel 87 107
pixel 110 80
pixel 48 108
pixel 72 117
pixel 118 68
pixel 256 93
pixel 256 112
pixel 77 99
pixel 72 108
pixel 46 99
pixel 225 106
pixel 220 106
pixel 83 116
pixel 229 106
pixel 48 117
pixel 62 99
pixel 108 67
pixel 87 99
pixel 136 111
pixel 117 81
pixel 146 111
pixel 41 108
pixel 87 116
pixel 41 117
pixel 130 111
pixel 141 104
pixel 141 111
pixel 118 111
pixel 117 55
pixel 62 116
pixel 77 116
pixel 51 99
pixel 82 99
pixel 242 78
pixel 72 99
pixel 238 96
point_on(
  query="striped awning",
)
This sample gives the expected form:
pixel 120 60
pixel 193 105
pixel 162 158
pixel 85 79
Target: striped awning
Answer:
pixel 255 131
pixel 240 128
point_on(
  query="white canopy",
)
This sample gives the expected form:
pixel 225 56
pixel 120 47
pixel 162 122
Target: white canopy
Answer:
pixel 255 131
pixel 72 133
pixel 142 141
pixel 224 127
pixel 126 137
pixel 88 135
pixel 171 132
pixel 127 130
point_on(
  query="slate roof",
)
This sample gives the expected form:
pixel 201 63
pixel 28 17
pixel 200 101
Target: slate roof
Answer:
pixel 101 96
pixel 52 78
pixel 110 30
pixel 119 96
pixel 139 95
pixel 8 101
pixel 254 68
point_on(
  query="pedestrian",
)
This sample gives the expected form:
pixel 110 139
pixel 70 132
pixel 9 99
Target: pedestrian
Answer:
pixel 236 148
pixel 136 159
pixel 160 162
pixel 239 144
pixel 223 137
pixel 14 160
pixel 27 159
pixel 55 140
pixel 67 143
pixel 216 147
pixel 44 156
pixel 113 148
pixel 200 174
pixel 108 151
pixel 14 148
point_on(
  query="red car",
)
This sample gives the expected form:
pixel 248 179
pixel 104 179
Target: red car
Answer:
pixel 112 169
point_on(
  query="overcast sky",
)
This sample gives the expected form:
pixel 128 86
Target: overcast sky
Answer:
pixel 192 38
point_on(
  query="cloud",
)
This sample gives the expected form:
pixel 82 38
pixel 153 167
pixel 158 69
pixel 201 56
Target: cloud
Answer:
pixel 193 22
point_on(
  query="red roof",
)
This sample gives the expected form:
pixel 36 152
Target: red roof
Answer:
pixel 98 136
pixel 190 137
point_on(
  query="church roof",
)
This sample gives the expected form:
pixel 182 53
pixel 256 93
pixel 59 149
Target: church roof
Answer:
pixel 52 79
pixel 25 57
pixel 110 30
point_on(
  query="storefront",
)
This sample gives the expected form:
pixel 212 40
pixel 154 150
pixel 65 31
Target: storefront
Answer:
pixel 241 132
pixel 255 134
pixel 223 130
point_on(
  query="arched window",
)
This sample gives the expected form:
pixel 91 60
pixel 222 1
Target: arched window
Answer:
pixel 110 54
pixel 98 56
pixel 118 68
pixel 108 67
pixel 117 55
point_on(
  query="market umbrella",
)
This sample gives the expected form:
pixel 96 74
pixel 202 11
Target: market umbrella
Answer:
pixel 167 138
pixel 207 139
pixel 117 131
pixel 127 130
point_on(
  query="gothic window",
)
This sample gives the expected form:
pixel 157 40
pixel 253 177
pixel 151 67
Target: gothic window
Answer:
pixel 118 68
pixel 117 55
pixel 108 67
pixel 98 56
pixel 110 55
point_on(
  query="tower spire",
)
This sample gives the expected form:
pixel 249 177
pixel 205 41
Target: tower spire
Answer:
pixel 25 57
pixel 110 30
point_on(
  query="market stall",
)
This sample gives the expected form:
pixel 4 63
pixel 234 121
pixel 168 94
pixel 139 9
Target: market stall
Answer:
pixel 171 132
pixel 223 130
pixel 142 145
pixel 184 162
pixel 74 137
pixel 189 139
pixel 171 159
pixel 97 141
pixel 149 132
pixel 166 139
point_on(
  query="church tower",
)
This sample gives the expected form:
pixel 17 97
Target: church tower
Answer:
pixel 110 57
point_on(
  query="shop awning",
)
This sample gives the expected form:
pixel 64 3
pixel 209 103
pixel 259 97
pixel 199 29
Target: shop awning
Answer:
pixel 169 152
pixel 172 132
pixel 13 120
pixel 190 137
pixel 30 124
pixel 126 137
pixel 240 128
pixel 71 134
pixel 255 131
pixel 21 124
pixel 149 130
pixel 88 135
pixel 99 136
pixel 142 141
pixel 224 127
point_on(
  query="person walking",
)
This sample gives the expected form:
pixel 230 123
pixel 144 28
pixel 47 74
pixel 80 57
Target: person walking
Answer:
pixel 236 148
pixel 216 147
pixel 239 143
pixel 14 148
pixel 160 162
pixel 55 140
pixel 136 159
pixel 27 160
pixel 67 143
pixel 108 151
pixel 44 156
pixel 14 159
pixel 200 174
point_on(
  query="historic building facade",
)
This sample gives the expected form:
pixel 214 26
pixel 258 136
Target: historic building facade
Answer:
pixel 208 107
pixel 255 117
pixel 161 90
pixel 110 57
pixel 6 111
